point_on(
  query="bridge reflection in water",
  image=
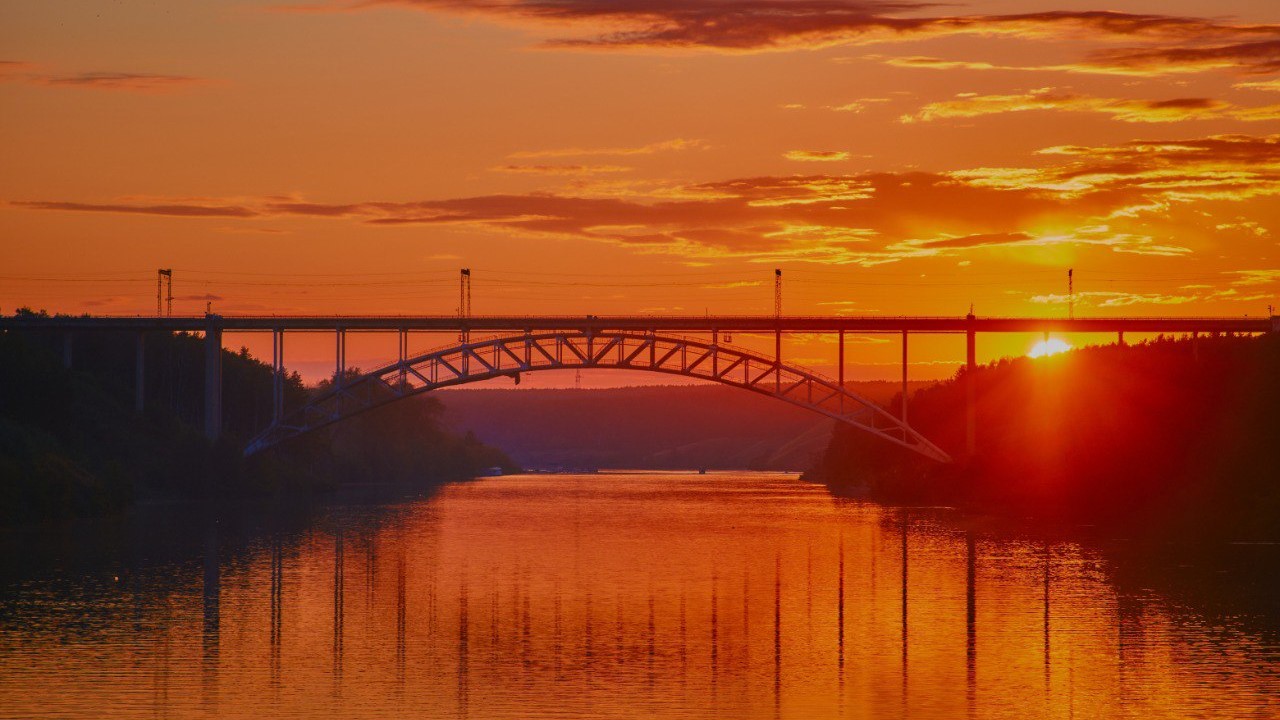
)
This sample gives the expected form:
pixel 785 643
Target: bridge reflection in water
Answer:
pixel 627 595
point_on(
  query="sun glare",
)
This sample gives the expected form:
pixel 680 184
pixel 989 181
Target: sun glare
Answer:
pixel 1045 348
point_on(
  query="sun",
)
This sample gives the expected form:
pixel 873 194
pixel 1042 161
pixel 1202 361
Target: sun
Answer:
pixel 1045 348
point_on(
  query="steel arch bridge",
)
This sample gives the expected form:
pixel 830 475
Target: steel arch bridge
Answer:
pixel 509 356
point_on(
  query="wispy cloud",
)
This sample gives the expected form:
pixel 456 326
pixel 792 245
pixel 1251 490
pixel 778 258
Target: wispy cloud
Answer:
pixel 1115 299
pixel 561 169
pixel 675 145
pixel 1084 198
pixel 816 155
pixel 1123 109
pixel 24 72
pixel 770 25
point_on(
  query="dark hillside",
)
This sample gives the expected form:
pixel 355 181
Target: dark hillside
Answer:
pixel 1164 433
pixel 71 443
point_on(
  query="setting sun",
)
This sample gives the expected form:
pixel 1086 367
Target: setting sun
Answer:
pixel 1045 348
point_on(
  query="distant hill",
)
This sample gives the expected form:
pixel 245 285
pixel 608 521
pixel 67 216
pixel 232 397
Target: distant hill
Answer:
pixel 653 427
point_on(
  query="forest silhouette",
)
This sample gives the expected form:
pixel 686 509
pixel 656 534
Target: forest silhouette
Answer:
pixel 71 443
pixel 1170 434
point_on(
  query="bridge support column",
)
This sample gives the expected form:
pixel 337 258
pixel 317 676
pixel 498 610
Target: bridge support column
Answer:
pixel 403 336
pixel 340 358
pixel 213 379
pixel 277 376
pixel 715 353
pixel 140 375
pixel 1120 338
pixel 971 393
pixel 840 359
pixel 777 360
pixel 905 395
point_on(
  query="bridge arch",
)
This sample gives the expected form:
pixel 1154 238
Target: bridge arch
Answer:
pixel 512 355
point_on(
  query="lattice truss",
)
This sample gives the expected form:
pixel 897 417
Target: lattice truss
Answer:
pixel 509 356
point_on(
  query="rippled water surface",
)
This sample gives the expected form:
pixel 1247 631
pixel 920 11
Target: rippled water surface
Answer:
pixel 619 595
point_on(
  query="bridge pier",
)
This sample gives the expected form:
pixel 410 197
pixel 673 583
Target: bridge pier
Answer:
pixel 340 358
pixel 277 376
pixel 140 375
pixel 840 360
pixel 904 377
pixel 777 359
pixel 213 379
pixel 971 392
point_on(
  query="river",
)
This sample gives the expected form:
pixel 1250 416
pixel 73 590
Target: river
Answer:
pixel 734 595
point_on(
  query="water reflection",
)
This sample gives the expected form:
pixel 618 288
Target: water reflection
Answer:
pixel 736 596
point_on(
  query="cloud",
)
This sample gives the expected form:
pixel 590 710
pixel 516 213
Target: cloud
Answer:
pixel 171 210
pixel 1116 299
pixel 1134 198
pixel 1255 277
pixel 1251 57
pixel 1189 56
pixel 1100 236
pixel 763 25
pixel 561 169
pixel 1126 110
pixel 675 145
pixel 133 82
pixel 23 72
pixel 1265 85
pixel 816 155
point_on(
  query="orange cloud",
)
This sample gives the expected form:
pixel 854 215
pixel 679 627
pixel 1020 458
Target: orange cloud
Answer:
pixel 760 25
pixel 562 169
pixel 677 144
pixel 868 218
pixel 816 155
pixel 1126 110
pixel 1262 56
pixel 16 71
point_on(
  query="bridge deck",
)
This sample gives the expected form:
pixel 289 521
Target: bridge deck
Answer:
pixel 685 323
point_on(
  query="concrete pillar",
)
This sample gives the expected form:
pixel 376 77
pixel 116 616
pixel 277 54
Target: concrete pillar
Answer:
pixel 277 376
pixel 1120 338
pixel 140 375
pixel 213 379
pixel 777 360
pixel 971 392
pixel 340 359
pixel 715 353
pixel 66 350
pixel 840 372
pixel 904 377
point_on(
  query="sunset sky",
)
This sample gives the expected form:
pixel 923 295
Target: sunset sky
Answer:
pixel 643 156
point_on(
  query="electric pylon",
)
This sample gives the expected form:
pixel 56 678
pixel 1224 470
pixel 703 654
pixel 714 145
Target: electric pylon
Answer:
pixel 464 301
pixel 164 300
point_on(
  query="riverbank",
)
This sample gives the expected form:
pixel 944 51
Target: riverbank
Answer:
pixel 1169 436
pixel 73 445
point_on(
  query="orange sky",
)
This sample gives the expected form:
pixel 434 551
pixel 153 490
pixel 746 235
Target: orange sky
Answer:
pixel 597 156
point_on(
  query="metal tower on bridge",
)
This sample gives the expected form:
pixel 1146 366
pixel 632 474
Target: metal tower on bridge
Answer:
pixel 164 293
pixel 464 301
pixel 777 292
pixel 1071 294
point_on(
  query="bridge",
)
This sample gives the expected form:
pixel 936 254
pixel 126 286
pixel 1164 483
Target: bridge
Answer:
pixel 524 344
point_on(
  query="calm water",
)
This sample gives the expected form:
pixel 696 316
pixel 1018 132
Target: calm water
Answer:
pixel 627 595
